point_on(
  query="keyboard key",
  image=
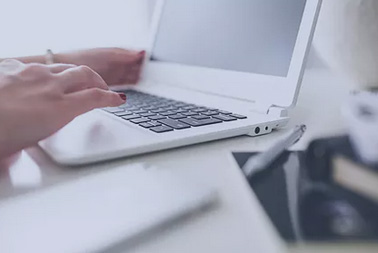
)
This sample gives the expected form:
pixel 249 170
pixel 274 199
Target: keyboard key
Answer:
pixel 189 107
pixel 147 108
pixel 157 117
pixel 199 110
pixel 174 124
pixel 146 125
pixel 147 114
pixel 203 122
pixel 155 123
pixel 133 109
pixel 167 113
pixel 224 112
pixel 161 129
pixel 140 111
pixel 129 117
pixel 190 113
pixel 210 113
pixel 113 109
pixel 170 108
pixel 165 106
pixel 127 107
pixel 180 103
pixel 200 117
pixel 139 120
pixel 155 102
pixel 120 114
pixel 224 117
pixel 160 110
pixel 212 109
pixel 238 116
pixel 180 110
pixel 177 116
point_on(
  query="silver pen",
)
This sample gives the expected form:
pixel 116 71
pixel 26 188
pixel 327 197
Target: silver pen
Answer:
pixel 262 161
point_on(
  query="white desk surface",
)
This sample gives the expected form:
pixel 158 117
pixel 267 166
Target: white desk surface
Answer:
pixel 232 227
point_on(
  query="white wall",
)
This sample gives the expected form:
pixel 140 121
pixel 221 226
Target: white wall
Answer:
pixel 31 26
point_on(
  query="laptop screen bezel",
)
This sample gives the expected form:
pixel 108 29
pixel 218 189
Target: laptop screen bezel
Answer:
pixel 272 90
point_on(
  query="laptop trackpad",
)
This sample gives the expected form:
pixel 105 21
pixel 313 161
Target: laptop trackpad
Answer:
pixel 93 134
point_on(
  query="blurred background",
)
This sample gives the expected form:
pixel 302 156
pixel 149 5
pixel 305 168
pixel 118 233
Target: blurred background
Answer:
pixel 72 24
pixel 76 24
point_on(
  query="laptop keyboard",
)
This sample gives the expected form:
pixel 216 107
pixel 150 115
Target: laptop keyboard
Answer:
pixel 162 115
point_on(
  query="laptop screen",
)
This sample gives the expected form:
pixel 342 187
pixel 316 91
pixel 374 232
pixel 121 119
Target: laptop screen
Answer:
pixel 256 36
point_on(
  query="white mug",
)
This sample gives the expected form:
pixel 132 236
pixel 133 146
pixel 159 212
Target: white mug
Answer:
pixel 347 39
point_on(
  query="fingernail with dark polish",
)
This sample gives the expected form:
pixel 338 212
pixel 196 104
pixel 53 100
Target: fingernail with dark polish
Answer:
pixel 123 96
pixel 143 52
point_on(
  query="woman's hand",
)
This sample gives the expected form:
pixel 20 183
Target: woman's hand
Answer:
pixel 115 65
pixel 37 100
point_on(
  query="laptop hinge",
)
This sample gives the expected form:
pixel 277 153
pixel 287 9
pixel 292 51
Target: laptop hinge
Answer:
pixel 270 109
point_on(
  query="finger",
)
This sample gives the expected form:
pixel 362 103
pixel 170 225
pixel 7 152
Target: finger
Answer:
pixel 81 78
pixel 128 78
pixel 58 68
pixel 11 62
pixel 87 100
pixel 140 57
pixel 134 75
pixel 135 57
pixel 131 79
pixel 10 65
pixel 136 68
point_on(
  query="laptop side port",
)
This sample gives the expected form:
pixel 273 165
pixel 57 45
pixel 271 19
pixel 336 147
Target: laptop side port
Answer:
pixel 260 130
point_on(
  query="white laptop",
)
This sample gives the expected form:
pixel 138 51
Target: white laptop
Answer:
pixel 215 69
